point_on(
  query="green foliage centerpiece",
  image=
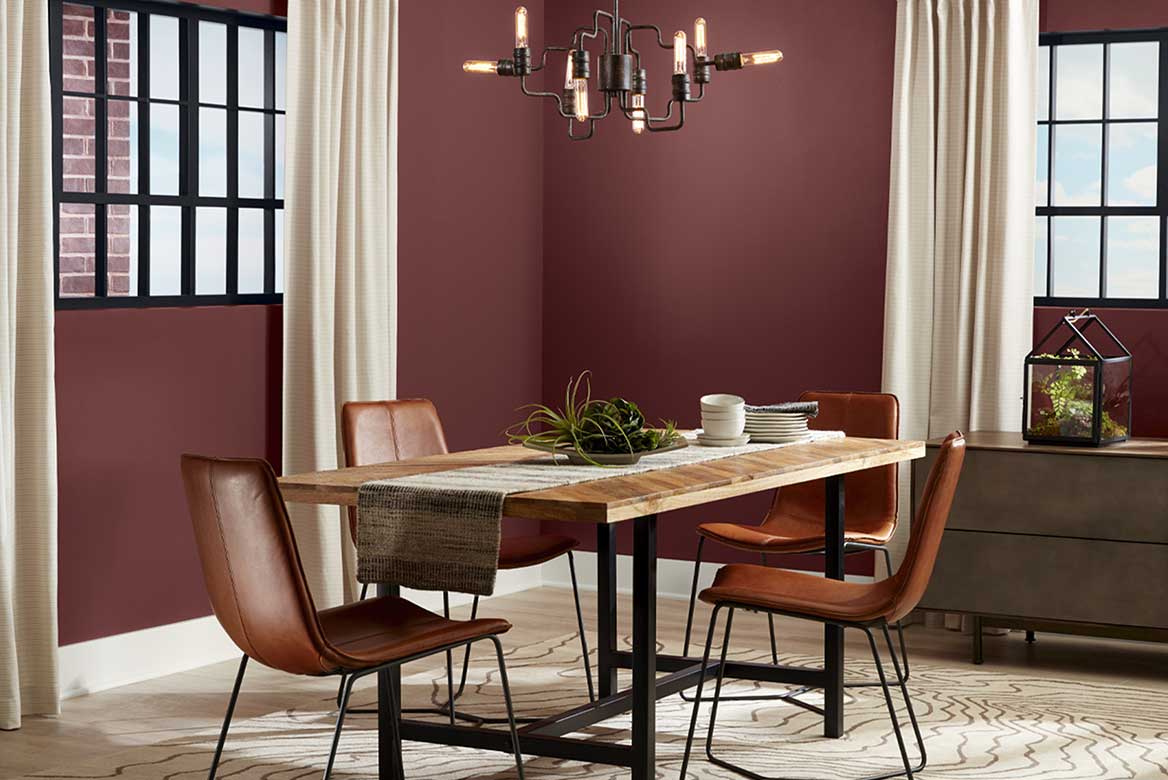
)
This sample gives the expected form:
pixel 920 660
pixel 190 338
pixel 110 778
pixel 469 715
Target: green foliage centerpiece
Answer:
pixel 594 431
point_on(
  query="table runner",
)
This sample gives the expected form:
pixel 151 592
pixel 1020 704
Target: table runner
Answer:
pixel 441 530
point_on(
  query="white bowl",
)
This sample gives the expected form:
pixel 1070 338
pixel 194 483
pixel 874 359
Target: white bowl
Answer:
pixel 722 429
pixel 728 414
pixel 723 401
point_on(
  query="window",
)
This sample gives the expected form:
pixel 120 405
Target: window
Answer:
pixel 1101 194
pixel 168 125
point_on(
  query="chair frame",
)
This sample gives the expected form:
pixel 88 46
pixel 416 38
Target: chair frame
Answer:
pixel 349 678
pixel 901 681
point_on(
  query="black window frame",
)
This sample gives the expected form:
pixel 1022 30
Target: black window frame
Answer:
pixel 187 200
pixel 1160 210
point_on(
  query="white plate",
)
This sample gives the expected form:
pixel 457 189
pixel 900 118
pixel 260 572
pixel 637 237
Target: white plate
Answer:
pixel 775 414
pixel 778 439
pixel 782 428
pixel 708 441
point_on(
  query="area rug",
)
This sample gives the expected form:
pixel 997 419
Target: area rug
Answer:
pixel 978 724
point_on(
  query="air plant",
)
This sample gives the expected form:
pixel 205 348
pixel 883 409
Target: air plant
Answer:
pixel 591 426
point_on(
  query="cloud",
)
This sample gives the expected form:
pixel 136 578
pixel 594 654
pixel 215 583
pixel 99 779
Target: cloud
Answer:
pixel 1143 183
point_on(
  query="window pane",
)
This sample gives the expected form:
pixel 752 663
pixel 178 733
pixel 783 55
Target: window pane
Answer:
pixel 1075 256
pixel 251 67
pixel 1133 257
pixel 210 251
pixel 121 33
pixel 122 146
pixel 1135 79
pixel 1079 82
pixel 163 57
pixel 121 250
pixel 279 250
pixel 1040 245
pixel 78 120
pixel 1078 165
pixel 1131 164
pixel 165 250
pixel 1041 163
pixel 212 63
pixel 251 251
pixel 77 249
pixel 1043 82
pixel 251 154
pixel 213 152
pixel 281 62
pixel 164 149
pixel 279 155
pixel 77 48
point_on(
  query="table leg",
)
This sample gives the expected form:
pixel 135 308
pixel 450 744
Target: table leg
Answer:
pixel 644 741
pixel 606 666
pixel 389 765
pixel 833 636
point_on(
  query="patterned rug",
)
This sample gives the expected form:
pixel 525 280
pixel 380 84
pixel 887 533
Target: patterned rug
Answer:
pixel 978 724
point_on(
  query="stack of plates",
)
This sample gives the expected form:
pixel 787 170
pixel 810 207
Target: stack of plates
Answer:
pixel 777 427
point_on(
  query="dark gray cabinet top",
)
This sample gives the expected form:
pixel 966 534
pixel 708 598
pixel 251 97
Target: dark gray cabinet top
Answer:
pixel 1006 441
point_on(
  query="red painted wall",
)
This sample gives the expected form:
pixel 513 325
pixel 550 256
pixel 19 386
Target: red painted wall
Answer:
pixel 1144 331
pixel 745 253
pixel 138 387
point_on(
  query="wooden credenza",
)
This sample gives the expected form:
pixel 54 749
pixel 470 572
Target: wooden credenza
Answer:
pixel 1055 538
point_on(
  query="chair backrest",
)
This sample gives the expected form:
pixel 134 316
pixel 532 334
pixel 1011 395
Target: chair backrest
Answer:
pixel 871 494
pixel 385 431
pixel 928 526
pixel 250 563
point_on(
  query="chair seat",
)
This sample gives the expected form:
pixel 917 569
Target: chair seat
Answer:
pixel 786 534
pixel 801 594
pixel 519 552
pixel 383 629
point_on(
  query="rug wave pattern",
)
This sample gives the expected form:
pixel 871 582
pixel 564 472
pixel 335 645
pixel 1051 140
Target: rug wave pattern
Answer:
pixel 978 725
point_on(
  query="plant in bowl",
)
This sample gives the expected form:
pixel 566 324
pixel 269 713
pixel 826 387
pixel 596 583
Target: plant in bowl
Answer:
pixel 594 431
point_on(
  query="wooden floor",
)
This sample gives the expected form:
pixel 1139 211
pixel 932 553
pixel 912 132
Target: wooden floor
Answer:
pixel 139 714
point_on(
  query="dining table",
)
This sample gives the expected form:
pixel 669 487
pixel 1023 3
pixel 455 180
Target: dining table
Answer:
pixel 604 503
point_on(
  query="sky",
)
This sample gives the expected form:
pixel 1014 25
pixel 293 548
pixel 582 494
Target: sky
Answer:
pixel 210 223
pixel 1132 242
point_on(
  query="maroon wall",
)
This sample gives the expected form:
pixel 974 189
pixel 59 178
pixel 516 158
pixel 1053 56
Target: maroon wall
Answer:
pixel 138 387
pixel 1143 331
pixel 743 254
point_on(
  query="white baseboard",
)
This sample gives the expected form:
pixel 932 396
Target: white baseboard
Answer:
pixel 122 659
pixel 674 577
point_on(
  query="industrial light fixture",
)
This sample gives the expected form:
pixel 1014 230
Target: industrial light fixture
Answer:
pixel 621 79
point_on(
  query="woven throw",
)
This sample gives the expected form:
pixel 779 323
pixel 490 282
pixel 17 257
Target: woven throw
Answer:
pixel 809 408
pixel 441 530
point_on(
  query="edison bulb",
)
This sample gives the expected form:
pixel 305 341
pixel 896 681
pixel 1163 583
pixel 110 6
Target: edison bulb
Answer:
pixel 581 87
pixel 638 114
pixel 679 57
pixel 480 66
pixel 762 57
pixel 701 46
pixel 521 39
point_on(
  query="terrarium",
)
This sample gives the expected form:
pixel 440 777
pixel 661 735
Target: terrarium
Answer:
pixel 1079 391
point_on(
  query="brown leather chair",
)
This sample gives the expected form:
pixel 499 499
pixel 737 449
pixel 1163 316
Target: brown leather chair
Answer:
pixel 259 594
pixel 864 606
pixel 795 522
pixel 385 431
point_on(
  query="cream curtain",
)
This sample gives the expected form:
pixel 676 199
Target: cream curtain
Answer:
pixel 959 296
pixel 341 249
pixel 28 415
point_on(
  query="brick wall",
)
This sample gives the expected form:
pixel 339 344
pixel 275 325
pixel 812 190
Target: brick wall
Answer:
pixel 78 145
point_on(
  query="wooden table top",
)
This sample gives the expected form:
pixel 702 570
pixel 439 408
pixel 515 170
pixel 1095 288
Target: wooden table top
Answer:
pixel 1011 441
pixel 614 499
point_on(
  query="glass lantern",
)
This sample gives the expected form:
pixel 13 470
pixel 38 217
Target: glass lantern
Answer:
pixel 1079 392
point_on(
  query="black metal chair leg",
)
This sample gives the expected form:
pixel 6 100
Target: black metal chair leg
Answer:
pixel 912 715
pixel 346 691
pixel 908 768
pixel 899 623
pixel 227 718
pixel 580 627
pixel 718 690
pixel 341 686
pixel 693 594
pixel 510 709
pixel 449 662
pixel 771 624
pixel 697 699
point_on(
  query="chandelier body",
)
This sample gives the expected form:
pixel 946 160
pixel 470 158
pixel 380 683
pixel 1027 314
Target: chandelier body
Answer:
pixel 620 78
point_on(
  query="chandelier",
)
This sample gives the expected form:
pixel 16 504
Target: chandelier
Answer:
pixel 621 79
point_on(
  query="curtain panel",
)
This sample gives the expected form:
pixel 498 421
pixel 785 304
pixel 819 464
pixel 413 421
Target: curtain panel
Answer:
pixel 28 431
pixel 341 250
pixel 959 294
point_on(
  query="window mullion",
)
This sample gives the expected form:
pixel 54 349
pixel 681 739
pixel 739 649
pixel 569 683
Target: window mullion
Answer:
pixel 143 153
pixel 233 158
pixel 269 161
pixel 100 155
pixel 1162 166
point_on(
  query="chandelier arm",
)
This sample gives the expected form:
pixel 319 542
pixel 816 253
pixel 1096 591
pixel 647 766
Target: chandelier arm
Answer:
pixel 591 130
pixel 680 121
pixel 552 95
pixel 543 57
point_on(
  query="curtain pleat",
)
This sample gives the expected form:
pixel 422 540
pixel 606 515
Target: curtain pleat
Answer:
pixel 959 299
pixel 28 432
pixel 341 250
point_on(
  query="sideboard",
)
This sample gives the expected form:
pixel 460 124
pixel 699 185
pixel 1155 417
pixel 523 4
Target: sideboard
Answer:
pixel 1055 538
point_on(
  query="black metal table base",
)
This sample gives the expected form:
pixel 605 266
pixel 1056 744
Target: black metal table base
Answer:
pixel 548 736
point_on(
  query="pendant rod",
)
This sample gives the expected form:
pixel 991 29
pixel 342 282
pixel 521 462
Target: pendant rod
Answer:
pixel 617 47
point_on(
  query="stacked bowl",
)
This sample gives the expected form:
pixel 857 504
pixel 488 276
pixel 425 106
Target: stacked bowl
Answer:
pixel 723 420
pixel 765 425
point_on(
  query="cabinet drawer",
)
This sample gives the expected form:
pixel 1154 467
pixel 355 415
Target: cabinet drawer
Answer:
pixel 1057 579
pixel 1092 497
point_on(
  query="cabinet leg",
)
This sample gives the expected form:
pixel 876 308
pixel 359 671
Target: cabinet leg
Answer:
pixel 978 656
pixel 1029 636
